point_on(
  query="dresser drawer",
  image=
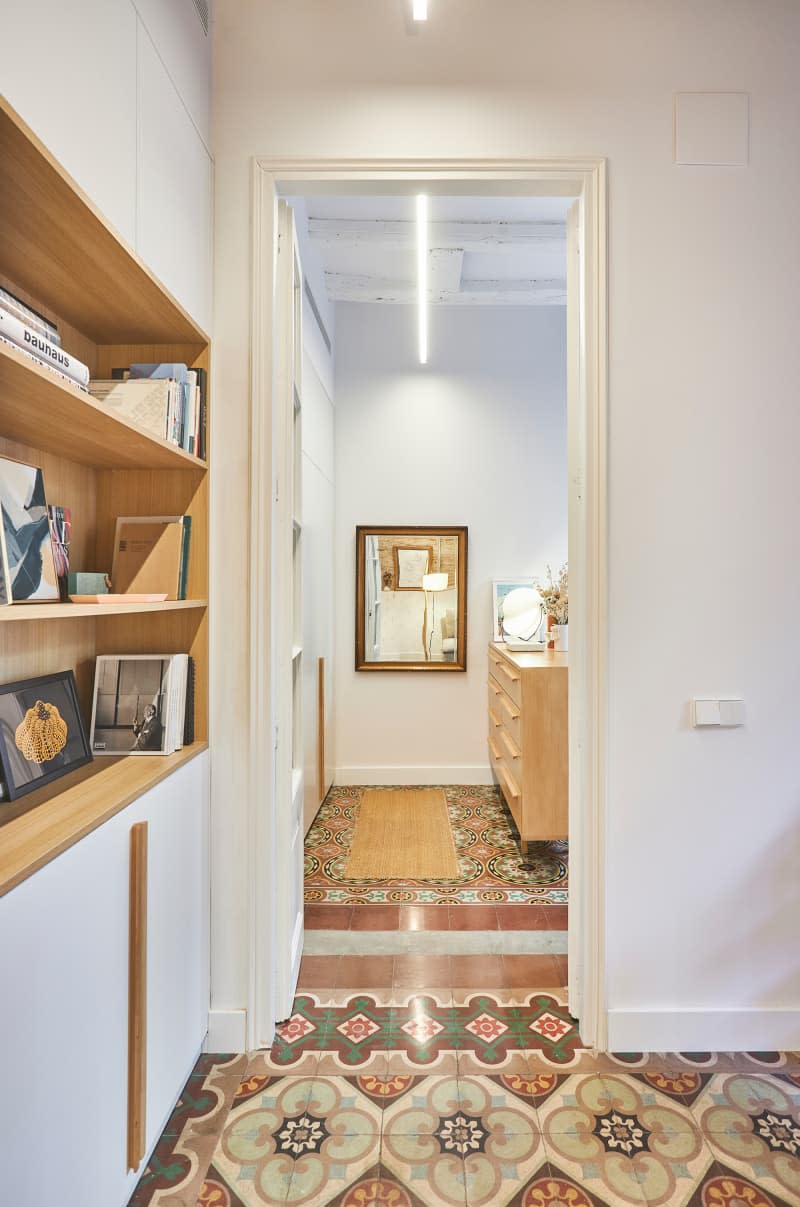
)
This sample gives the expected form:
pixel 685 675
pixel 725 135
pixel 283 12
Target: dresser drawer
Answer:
pixel 511 791
pixel 508 676
pixel 504 710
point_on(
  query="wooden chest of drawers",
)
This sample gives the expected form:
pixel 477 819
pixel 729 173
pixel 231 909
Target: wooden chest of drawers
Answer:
pixel 528 743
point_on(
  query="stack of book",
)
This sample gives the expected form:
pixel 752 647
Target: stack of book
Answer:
pixel 25 329
pixel 167 400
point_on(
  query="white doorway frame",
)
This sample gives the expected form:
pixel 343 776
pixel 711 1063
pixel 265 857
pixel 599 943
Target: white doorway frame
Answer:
pixel 584 179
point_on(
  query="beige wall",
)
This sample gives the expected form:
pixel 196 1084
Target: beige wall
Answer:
pixel 704 425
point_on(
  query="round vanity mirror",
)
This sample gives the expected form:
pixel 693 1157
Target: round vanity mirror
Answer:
pixel 522 613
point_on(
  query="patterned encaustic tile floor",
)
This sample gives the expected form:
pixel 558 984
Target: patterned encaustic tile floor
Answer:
pixel 492 868
pixel 454 1098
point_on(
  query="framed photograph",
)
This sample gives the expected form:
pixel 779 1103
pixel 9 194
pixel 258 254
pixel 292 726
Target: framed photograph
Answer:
pixel 27 551
pixel 130 704
pixel 500 589
pixel 42 735
pixel 410 564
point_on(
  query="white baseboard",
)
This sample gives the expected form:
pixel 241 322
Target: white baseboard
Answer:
pixel 227 1031
pixel 747 1030
pixel 384 776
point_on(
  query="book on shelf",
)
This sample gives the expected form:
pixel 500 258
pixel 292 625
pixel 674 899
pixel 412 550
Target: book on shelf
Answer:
pixel 151 554
pixel 60 520
pixel 26 314
pixel 141 704
pixel 42 349
pixel 185 422
pixel 146 403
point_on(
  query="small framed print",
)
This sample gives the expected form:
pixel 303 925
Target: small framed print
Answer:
pixel 411 563
pixel 501 588
pixel 26 551
pixel 42 735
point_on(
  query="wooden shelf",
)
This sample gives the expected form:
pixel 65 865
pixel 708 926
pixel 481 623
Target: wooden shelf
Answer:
pixel 57 245
pixel 42 410
pixel 47 822
pixel 73 611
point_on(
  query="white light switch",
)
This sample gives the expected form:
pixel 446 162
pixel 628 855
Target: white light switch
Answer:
pixel 728 711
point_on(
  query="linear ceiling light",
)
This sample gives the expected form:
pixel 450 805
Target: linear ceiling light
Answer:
pixel 422 276
pixel 419 10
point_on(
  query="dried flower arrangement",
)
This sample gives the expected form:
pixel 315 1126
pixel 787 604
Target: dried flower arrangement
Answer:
pixel 555 595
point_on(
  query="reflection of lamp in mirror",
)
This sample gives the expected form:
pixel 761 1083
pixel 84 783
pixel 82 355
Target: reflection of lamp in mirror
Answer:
pixel 521 614
pixel 432 583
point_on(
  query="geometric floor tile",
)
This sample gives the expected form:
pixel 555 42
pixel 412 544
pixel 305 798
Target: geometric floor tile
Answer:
pixel 492 868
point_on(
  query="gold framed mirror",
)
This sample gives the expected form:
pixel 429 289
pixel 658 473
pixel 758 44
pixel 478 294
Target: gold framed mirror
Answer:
pixel 411 598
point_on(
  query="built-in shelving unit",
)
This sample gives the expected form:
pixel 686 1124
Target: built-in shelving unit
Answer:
pixel 59 254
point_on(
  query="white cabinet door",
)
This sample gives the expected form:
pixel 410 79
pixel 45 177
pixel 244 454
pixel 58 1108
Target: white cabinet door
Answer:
pixel 177 935
pixel 70 72
pixel 174 183
pixel 64 1028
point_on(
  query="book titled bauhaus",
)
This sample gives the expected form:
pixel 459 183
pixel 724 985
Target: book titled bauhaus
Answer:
pixel 151 555
pixel 45 351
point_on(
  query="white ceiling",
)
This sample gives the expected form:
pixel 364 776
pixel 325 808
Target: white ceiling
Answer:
pixel 482 250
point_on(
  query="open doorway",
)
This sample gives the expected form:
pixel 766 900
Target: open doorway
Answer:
pixel 275 181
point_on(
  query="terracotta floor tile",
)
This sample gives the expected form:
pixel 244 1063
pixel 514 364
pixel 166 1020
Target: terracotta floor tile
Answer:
pixel 328 917
pixel 531 972
pixel 482 972
pixel 424 917
pixel 356 971
pixel 521 917
pixel 375 917
pixel 555 916
pixel 418 972
pixel 473 917
pixel 318 972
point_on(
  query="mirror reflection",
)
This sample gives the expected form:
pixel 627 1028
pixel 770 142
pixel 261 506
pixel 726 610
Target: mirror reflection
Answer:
pixel 411 598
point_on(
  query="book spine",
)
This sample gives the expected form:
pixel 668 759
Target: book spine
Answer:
pixel 42 349
pixel 183 576
pixel 188 722
pixel 26 314
pixel 38 360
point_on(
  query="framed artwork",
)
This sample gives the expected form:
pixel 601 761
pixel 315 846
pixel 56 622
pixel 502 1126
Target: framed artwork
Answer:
pixel 501 588
pixel 26 551
pixel 42 735
pixel 411 562
pixel 129 709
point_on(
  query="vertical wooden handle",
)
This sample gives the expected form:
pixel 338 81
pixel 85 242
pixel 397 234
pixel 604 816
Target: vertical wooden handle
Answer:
pixel 137 996
pixel 321 729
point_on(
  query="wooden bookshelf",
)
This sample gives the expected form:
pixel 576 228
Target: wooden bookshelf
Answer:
pixel 59 255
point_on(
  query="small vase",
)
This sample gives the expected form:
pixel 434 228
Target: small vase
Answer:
pixel 550 623
pixel 560 638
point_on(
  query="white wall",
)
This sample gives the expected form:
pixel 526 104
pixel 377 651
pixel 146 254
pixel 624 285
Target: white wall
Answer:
pixel 120 93
pixel 703 840
pixel 476 437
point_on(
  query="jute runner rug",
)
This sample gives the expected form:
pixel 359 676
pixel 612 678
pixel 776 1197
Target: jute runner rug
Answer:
pixel 402 834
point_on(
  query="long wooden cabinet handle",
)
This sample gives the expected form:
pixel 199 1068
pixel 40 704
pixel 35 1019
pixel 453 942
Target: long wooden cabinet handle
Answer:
pixel 508 674
pixel 510 747
pixel 509 707
pixel 496 753
pixel 495 720
pixel 137 997
pixel 513 790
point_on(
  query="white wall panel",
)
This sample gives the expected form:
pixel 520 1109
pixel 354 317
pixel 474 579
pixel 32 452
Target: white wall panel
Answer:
pixel 476 437
pixel 174 189
pixel 184 47
pixel 70 71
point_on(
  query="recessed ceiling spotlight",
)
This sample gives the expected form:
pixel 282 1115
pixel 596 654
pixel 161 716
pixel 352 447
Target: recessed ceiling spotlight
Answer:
pixel 419 10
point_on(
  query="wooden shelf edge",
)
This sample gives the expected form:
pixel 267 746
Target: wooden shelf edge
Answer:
pixel 84 415
pixel 72 611
pixel 51 827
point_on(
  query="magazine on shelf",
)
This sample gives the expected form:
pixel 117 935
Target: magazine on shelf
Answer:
pixel 146 403
pixel 139 704
pixel 151 554
pixel 41 348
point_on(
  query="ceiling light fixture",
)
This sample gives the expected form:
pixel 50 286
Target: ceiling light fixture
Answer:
pixel 419 10
pixel 422 276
